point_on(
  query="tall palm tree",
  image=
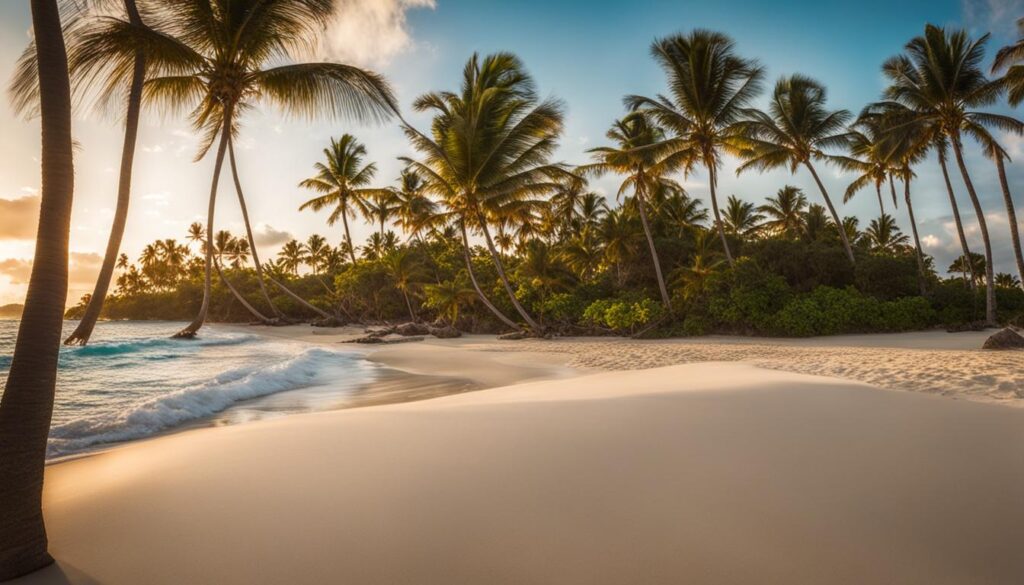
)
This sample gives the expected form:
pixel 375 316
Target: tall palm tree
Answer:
pixel 638 155
pixel 868 158
pixel 998 154
pixel 785 212
pixel 342 181
pixel 110 78
pixel 1011 60
pixel 939 78
pixel 27 404
pixel 315 252
pixel 214 63
pixel 709 86
pixel 489 146
pixel 797 130
pixel 292 255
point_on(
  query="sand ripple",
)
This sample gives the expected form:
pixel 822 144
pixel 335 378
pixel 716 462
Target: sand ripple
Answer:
pixel 974 374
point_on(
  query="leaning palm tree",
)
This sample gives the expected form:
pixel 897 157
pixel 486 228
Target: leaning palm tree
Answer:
pixel 709 86
pixel 214 63
pixel 939 78
pixel 111 79
pixel 797 130
pixel 640 157
pixel 489 146
pixel 27 404
pixel 998 154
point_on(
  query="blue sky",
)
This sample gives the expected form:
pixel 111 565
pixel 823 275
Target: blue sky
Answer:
pixel 589 54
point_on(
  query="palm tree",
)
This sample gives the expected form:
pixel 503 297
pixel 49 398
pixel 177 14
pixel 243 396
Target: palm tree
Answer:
pixel 742 218
pixel 109 77
pixel 868 158
pixel 489 146
pixel 214 64
pixel 680 211
pixel 938 77
pixel 709 85
pixel 692 280
pixel 415 212
pixel 224 244
pixel 381 207
pixel 796 130
pixel 292 256
pixel 998 154
pixel 1011 59
pixel 883 236
pixel 315 252
pixel 1006 280
pixel 639 158
pixel 618 235
pixel 448 297
pixel 785 212
pixel 27 404
pixel 342 181
pixel 972 265
pixel 407 272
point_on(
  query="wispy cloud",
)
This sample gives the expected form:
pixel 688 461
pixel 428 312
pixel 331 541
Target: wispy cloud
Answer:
pixel 996 16
pixel 370 33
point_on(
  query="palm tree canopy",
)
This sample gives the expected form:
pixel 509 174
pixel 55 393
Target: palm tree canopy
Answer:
pixel 342 180
pixel 797 127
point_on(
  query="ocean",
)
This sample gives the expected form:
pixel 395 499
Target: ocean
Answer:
pixel 132 381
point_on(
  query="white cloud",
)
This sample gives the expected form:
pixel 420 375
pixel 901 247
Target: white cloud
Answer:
pixel 267 235
pixel 930 241
pixel 370 32
pixel 996 16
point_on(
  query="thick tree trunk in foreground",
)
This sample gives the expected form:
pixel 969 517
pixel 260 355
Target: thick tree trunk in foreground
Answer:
pixel 81 334
pixel 476 286
pixel 197 323
pixel 27 404
pixel 956 219
pixel 832 210
pixel 1011 215
pixel 990 289
pixel 248 230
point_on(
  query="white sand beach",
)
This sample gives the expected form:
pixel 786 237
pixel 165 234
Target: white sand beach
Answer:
pixel 711 461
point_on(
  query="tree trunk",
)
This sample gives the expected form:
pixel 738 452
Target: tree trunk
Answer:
pixel 476 286
pixel 299 299
pixel 642 207
pixel 832 210
pixel 713 178
pixel 412 314
pixel 1011 215
pixel 959 224
pixel 27 404
pixel 921 272
pixel 348 237
pixel 504 277
pixel 990 289
pixel 193 327
pixel 81 334
pixel 892 189
pixel 238 296
pixel 878 191
pixel 248 229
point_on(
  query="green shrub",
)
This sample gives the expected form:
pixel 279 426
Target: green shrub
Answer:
pixel 622 314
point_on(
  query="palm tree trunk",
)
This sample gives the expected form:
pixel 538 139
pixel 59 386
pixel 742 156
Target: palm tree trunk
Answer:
pixel 990 289
pixel 713 179
pixel 921 274
pixel 832 210
pixel 299 299
pixel 878 191
pixel 959 224
pixel 248 229
pixel 412 314
pixel 1011 215
pixel 504 277
pixel 81 334
pixel 238 296
pixel 642 207
pixel 476 286
pixel 892 189
pixel 348 237
pixel 27 404
pixel 193 327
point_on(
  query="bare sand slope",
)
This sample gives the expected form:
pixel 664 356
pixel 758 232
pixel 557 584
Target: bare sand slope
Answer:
pixel 718 473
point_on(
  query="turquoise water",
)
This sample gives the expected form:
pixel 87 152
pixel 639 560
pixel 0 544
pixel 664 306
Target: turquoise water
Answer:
pixel 132 381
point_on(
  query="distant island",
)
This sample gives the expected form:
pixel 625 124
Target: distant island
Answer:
pixel 11 310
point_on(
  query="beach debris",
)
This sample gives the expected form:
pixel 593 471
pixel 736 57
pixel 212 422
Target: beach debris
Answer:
pixel 382 339
pixel 1004 339
pixel 329 322
pixel 408 329
pixel 513 336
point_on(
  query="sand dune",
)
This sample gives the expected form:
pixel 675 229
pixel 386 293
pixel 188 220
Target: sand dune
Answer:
pixel 717 473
